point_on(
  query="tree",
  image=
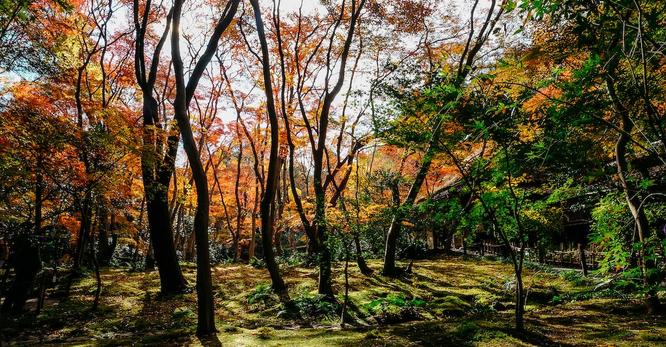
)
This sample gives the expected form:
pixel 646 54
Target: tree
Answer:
pixel 158 158
pixel 184 94
pixel 273 172
pixel 627 86
pixel 473 45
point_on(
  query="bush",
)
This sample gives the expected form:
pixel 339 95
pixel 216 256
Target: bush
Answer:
pixel 262 294
pixel 292 258
pixel 315 306
pixel 257 263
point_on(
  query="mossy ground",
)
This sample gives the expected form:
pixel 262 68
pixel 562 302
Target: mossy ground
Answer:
pixel 459 302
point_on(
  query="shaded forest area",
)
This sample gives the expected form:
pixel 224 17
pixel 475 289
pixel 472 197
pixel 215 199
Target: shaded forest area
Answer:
pixel 349 172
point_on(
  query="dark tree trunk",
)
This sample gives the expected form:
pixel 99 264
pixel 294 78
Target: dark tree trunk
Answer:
pixel 149 263
pixel 520 301
pixel 27 263
pixel 267 225
pixel 390 246
pixel 161 237
pixel 156 167
pixel 84 232
pixel 360 261
pixel 184 94
pixel 105 246
pixel 394 229
pixel 582 258
pixel 253 224
pixel 98 277
pixel 632 198
pixel 345 303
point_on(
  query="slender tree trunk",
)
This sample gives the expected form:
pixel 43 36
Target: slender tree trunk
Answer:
pixel 273 173
pixel 184 94
pixel 239 216
pixel 394 228
pixel 253 239
pixel 84 232
pixel 360 261
pixel 321 230
pixel 98 277
pixel 205 303
pixel 520 301
pixel 633 200
pixel 345 303
pixel 582 258
pixel 39 190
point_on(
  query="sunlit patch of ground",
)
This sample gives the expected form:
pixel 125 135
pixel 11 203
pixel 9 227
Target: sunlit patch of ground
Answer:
pixel 462 302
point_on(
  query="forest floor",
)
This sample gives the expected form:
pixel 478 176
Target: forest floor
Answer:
pixel 444 301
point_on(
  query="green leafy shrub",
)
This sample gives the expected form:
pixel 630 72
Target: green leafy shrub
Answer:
pixel 315 306
pixel 262 294
pixel 257 263
pixel 292 258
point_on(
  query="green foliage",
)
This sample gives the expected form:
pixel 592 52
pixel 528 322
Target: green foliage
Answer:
pixel 292 258
pixel 395 308
pixel 315 306
pixel 575 277
pixel 257 263
pixel 262 294
pixel 397 300
pixel 611 221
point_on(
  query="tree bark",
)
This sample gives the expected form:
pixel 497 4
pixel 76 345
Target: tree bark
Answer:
pixel 184 94
pixel 267 200
pixel 520 301
pixel 633 200
pixel 582 258
pixel 161 239
pixel 394 229
pixel 156 167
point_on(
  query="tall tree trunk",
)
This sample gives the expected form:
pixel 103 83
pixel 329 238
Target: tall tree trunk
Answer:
pixel 633 200
pixel 320 225
pixel 394 229
pixel 156 168
pixel 360 261
pixel 184 94
pixel 239 216
pixel 582 258
pixel 157 206
pixel 205 303
pixel 39 190
pixel 520 301
pixel 84 232
pixel 253 239
pixel 273 173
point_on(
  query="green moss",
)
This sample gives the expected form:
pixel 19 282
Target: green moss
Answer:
pixel 469 293
pixel 449 306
